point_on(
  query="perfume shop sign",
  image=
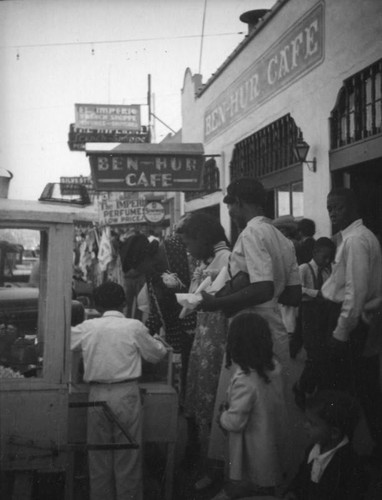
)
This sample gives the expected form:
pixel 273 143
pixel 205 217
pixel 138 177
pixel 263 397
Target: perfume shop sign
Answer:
pixel 118 210
pixel 298 51
pixel 121 211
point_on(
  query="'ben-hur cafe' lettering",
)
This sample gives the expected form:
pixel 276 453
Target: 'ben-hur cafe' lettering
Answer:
pixel 298 51
pixel 146 167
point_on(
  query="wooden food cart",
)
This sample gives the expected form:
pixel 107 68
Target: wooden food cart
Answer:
pixel 38 432
pixel 34 345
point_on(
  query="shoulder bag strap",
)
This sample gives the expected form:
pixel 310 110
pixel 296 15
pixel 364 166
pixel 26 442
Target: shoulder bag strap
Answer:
pixel 315 284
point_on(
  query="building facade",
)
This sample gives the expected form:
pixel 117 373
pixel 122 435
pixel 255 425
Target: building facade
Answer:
pixel 307 71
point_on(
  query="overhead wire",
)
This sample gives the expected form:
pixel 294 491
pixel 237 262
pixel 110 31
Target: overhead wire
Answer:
pixel 104 42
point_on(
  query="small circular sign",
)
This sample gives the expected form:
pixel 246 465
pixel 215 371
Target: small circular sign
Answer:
pixel 154 211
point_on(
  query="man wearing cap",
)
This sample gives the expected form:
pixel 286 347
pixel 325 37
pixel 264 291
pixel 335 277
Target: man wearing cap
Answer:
pixel 266 255
pixel 269 260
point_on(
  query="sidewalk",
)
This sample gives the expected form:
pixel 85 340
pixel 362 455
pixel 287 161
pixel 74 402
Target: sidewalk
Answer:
pixel 185 476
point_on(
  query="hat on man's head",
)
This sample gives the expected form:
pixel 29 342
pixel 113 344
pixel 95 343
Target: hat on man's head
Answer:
pixel 247 189
pixel 287 225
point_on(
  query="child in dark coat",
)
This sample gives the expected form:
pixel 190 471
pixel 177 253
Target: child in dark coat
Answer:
pixel 331 470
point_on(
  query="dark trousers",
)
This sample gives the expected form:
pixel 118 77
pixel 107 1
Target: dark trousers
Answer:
pixel 346 369
pixel 314 327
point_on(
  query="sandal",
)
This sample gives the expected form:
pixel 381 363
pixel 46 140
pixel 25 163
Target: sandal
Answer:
pixel 203 483
pixel 222 495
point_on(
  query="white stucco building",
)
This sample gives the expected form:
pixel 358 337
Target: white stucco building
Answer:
pixel 307 70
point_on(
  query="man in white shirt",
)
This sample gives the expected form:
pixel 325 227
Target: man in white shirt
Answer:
pixel 356 280
pixel 112 347
pixel 267 256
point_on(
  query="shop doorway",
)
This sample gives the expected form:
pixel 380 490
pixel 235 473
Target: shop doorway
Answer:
pixel 366 182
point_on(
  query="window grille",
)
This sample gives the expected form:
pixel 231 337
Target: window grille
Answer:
pixel 211 181
pixel 267 151
pixel 358 110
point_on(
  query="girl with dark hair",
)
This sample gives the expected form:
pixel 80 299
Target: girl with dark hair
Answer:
pixel 250 351
pixel 206 241
pixel 255 414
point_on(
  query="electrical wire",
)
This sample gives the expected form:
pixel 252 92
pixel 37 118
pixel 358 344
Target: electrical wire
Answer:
pixel 104 42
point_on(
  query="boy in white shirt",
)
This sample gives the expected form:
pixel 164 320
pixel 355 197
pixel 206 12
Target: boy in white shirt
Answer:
pixel 113 347
pixel 330 470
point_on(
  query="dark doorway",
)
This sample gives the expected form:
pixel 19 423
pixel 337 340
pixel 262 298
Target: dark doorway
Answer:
pixel 366 182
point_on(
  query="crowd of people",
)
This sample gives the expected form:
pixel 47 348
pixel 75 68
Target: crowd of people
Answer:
pixel 285 291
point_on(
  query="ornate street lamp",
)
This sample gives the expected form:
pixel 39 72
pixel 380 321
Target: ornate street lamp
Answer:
pixel 300 150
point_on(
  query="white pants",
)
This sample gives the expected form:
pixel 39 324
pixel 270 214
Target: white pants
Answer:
pixel 115 474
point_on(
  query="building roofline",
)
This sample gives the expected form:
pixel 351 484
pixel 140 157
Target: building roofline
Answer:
pixel 248 38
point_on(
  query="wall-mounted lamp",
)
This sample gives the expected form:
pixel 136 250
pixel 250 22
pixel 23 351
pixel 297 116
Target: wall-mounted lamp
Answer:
pixel 300 150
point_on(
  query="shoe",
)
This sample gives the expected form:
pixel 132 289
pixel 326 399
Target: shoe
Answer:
pixel 247 489
pixel 203 483
pixel 222 495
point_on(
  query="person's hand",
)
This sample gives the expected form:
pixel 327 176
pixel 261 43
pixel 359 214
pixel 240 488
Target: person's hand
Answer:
pixel 222 408
pixel 161 339
pixel 225 432
pixel 209 302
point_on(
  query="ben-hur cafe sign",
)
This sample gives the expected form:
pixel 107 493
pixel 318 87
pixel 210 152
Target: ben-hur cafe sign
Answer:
pixel 146 167
pixel 298 51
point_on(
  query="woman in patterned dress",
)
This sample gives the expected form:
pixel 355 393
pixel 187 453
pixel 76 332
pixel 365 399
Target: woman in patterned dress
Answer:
pixel 206 241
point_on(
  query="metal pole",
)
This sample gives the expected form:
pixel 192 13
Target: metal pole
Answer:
pixel 149 103
pixel 202 39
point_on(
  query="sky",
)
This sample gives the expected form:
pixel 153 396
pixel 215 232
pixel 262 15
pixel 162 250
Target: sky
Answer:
pixel 55 53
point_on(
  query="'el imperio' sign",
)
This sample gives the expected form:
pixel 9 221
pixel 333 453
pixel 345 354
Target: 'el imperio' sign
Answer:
pixel 108 116
pixel 298 51
pixel 146 167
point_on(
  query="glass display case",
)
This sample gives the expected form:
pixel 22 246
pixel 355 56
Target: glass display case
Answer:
pixel 21 341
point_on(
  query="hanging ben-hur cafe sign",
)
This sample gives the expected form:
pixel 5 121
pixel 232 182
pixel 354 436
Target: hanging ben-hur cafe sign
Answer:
pixel 146 167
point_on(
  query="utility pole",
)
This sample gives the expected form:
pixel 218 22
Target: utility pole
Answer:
pixel 149 103
pixel 202 37
pixel 153 114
